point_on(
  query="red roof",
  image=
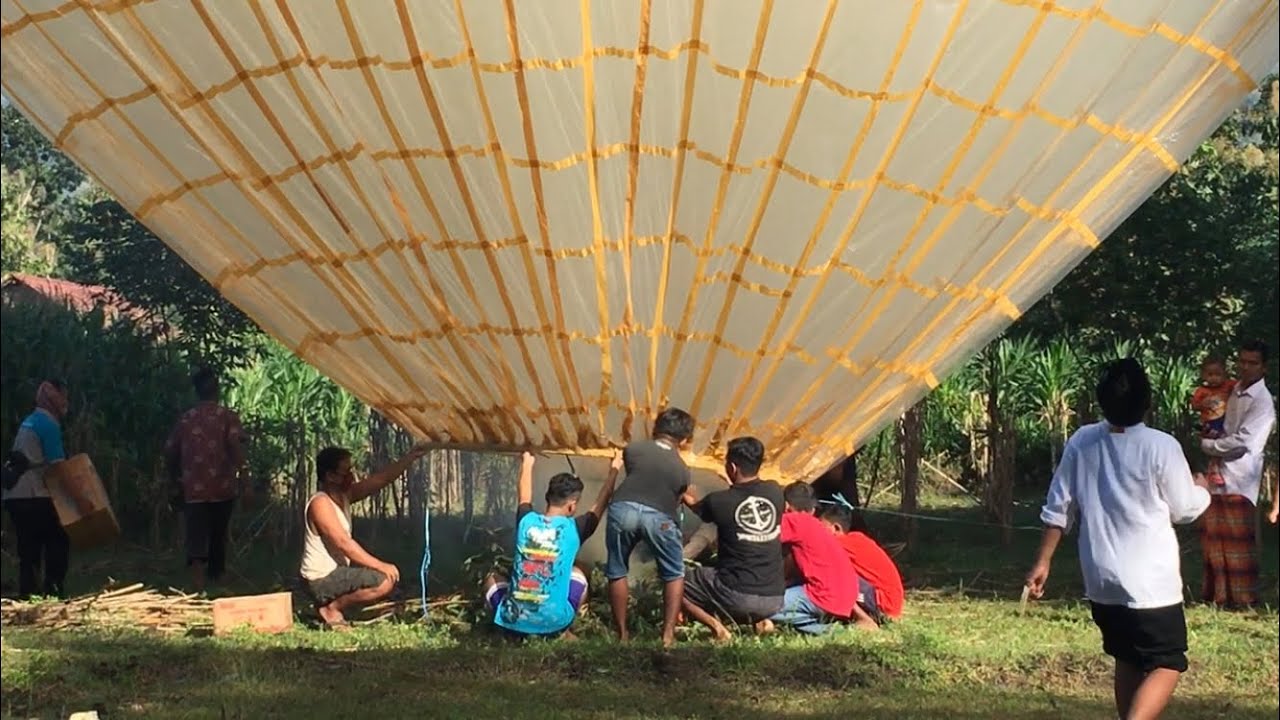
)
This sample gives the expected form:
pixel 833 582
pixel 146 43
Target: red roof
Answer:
pixel 81 298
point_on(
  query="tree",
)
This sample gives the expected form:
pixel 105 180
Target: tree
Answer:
pixel 103 244
pixel 20 250
pixel 49 203
pixel 40 186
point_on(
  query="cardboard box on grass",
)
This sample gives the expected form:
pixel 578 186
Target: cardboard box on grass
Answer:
pixel 270 613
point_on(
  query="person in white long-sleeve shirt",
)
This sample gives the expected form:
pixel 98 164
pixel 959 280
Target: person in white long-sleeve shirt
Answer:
pixel 1227 532
pixel 1125 485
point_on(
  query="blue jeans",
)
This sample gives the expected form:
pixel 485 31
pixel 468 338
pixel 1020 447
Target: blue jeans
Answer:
pixel 631 524
pixel 799 611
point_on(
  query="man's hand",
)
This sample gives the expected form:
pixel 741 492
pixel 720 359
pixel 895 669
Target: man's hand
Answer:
pixel 417 452
pixel 1274 515
pixel 601 504
pixel 387 475
pixel 1036 579
pixel 390 571
pixel 1200 480
pixel 527 460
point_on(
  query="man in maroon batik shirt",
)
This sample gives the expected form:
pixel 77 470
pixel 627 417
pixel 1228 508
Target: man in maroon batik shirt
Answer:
pixel 205 455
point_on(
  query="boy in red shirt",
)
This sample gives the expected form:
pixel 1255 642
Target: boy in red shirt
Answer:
pixel 829 585
pixel 880 592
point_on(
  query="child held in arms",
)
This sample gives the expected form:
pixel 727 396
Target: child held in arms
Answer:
pixel 1210 403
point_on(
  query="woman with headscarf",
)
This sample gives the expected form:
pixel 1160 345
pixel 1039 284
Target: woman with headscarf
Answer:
pixel 40 534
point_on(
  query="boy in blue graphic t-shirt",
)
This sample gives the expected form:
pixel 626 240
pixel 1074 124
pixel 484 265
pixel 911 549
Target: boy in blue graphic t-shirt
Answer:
pixel 545 589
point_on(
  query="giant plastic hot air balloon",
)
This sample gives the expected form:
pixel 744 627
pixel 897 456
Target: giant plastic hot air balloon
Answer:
pixel 510 223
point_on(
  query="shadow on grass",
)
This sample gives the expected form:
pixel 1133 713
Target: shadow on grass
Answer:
pixel 128 676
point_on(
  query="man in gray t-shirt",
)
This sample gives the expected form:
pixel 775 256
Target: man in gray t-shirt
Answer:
pixel 645 510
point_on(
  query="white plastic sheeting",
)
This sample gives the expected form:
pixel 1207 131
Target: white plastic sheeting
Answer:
pixel 533 223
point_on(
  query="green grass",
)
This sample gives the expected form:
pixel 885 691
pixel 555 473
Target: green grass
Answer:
pixel 964 651
pixel 954 658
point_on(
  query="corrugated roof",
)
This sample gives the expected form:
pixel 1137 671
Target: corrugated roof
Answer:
pixel 78 297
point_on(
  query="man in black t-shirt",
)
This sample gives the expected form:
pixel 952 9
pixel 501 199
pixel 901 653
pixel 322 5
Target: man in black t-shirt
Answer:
pixel 747 585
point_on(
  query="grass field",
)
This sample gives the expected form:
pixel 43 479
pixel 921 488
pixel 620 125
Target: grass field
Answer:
pixel 965 650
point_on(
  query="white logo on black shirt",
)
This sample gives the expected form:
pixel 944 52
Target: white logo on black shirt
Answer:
pixel 757 520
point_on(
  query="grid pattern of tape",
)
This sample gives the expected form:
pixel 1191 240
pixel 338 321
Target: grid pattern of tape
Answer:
pixel 511 223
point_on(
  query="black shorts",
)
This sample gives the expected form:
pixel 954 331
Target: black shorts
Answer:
pixel 703 588
pixel 1149 638
pixel 342 581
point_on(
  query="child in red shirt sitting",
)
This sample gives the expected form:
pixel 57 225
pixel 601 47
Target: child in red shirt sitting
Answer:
pixel 828 590
pixel 880 592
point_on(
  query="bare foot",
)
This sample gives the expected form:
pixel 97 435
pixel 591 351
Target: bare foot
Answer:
pixel 568 636
pixel 720 633
pixel 624 638
pixel 331 616
pixel 668 641
pixel 866 625
pixel 764 627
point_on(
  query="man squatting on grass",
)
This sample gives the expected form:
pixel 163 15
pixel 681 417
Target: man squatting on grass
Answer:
pixel 747 584
pixel 339 573
pixel 546 588
pixel 1125 483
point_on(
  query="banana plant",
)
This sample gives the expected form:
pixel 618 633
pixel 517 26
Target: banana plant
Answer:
pixel 1173 379
pixel 1054 383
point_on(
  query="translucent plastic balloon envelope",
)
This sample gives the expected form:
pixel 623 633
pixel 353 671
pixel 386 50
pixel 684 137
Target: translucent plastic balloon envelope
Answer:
pixel 534 222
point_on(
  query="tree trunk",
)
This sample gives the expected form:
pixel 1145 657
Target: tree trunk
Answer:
pixel 910 443
pixel 492 501
pixel 1002 448
pixel 467 465
pixel 301 483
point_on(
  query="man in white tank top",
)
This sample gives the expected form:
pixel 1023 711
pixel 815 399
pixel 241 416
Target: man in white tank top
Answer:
pixel 339 573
